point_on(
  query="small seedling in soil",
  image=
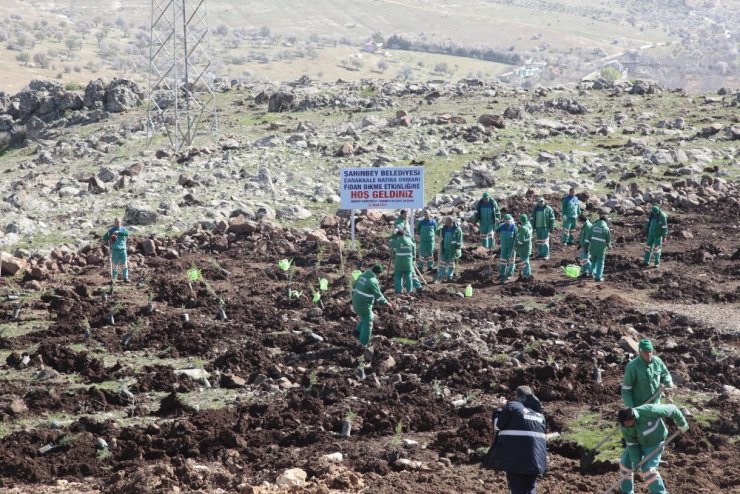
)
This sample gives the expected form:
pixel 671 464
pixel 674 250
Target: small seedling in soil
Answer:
pixel 437 387
pixel 103 454
pixel 395 441
pixel 313 380
pixel 349 417
pixel 320 255
pixel 87 331
pixel 471 396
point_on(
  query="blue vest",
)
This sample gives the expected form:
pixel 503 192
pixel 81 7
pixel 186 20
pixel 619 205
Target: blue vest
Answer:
pixel 520 445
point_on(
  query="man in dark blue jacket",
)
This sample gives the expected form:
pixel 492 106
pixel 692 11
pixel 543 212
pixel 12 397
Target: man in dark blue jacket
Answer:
pixel 520 447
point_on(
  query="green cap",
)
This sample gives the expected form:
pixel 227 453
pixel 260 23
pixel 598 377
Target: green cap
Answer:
pixel 508 217
pixel 524 218
pixel 655 209
pixel 486 195
pixel 378 268
pixel 645 345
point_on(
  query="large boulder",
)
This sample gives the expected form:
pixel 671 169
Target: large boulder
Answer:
pixel 280 102
pixel 122 95
pixel 139 215
pixel 95 93
pixel 11 265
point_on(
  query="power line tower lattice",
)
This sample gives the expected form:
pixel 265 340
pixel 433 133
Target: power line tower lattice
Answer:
pixel 181 98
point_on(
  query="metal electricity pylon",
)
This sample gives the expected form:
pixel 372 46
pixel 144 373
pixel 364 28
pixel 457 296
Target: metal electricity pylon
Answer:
pixel 181 98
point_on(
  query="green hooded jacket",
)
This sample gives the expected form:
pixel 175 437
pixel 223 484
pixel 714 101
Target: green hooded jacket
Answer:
pixel 641 380
pixel 366 292
pixel 600 239
pixel 570 207
pixel 427 230
pixel 657 225
pixel 544 217
pixel 404 253
pixel 402 222
pixel 487 214
pixel 117 237
pixel 585 235
pixel 649 429
pixel 523 244
pixel 452 240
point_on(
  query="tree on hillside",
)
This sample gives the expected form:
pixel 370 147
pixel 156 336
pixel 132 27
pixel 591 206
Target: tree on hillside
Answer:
pixel 42 60
pixel 382 65
pixel 405 73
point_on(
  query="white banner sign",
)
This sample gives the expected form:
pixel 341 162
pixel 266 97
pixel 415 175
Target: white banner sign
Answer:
pixel 382 188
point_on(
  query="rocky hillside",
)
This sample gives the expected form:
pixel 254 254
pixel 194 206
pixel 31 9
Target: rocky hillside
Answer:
pixel 75 159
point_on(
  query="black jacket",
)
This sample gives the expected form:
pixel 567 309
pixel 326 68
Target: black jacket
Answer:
pixel 520 445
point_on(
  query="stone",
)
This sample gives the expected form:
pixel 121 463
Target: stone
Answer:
pixel 96 186
pixel 139 215
pixel 685 235
pixel 333 457
pixel 347 149
pixel 628 345
pixel 11 265
pixel 185 180
pixel 228 143
pixel 106 174
pixel 220 243
pixel 122 95
pixel 240 225
pixel 194 374
pixel 171 254
pixel 231 381
pixel 285 383
pixel 149 246
pixel 387 364
pixel 410 444
pixel 281 102
pixel 329 221
pixel 121 183
pixel 711 130
pixel 133 170
pixel 730 392
pixel 293 212
pixel 291 478
pixel 489 120
pixel 17 406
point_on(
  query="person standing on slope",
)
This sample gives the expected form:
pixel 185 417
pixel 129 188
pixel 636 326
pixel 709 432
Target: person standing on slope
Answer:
pixel 116 237
pixel 487 216
pixel 544 223
pixel 571 209
pixel 656 229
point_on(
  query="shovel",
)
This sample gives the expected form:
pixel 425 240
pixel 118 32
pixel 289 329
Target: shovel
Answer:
pixel 644 460
pixel 588 456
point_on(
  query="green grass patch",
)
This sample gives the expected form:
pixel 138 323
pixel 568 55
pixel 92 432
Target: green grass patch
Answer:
pixel 588 430
pixel 405 341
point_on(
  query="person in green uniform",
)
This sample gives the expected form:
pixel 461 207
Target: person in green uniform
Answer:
pixel 487 216
pixel 544 223
pixel 427 231
pixel 450 249
pixel 570 210
pixel 599 242
pixel 656 228
pixel 584 238
pixel 404 253
pixel 523 246
pixel 507 258
pixel 643 376
pixel 364 295
pixel 644 433
pixel 116 237
pixel 402 220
